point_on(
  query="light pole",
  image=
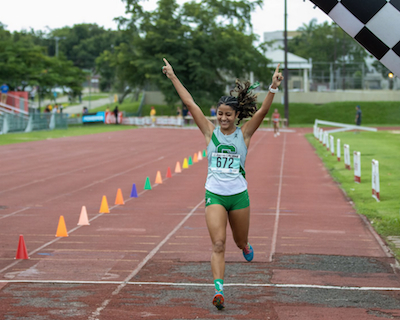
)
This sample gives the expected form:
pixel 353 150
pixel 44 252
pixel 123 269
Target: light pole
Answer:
pixel 391 76
pixel 57 39
pixel 286 71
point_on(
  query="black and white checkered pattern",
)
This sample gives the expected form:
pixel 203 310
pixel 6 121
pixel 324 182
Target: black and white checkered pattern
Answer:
pixel 375 24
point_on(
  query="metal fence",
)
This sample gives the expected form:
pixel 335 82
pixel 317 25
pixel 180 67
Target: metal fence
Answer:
pixel 35 121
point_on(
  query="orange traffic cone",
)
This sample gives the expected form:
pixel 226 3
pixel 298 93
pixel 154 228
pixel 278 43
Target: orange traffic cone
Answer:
pixel 83 218
pixel 119 199
pixel 21 251
pixel 195 159
pixel 104 206
pixel 169 174
pixel 61 229
pixel 178 167
pixel 158 178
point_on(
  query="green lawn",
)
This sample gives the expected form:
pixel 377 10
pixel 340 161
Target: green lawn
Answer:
pixel 373 113
pixel 383 146
pixel 94 97
pixel 75 130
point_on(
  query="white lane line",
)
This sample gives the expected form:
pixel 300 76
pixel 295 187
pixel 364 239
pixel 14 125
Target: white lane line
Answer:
pixel 278 203
pixel 194 284
pixel 15 212
pixel 70 231
pixel 139 267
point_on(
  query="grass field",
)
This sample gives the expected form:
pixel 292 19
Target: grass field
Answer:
pixel 75 130
pixel 373 113
pixel 384 147
pixel 300 114
pixel 94 97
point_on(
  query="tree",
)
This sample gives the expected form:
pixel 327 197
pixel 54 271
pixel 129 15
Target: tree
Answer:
pixel 209 44
pixel 23 63
pixel 83 43
pixel 328 44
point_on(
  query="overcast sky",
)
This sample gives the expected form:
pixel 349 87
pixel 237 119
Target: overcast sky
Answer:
pixel 53 14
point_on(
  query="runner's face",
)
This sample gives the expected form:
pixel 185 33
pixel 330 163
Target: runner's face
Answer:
pixel 226 117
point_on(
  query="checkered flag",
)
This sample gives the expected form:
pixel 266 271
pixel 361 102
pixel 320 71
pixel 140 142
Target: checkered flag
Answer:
pixel 375 24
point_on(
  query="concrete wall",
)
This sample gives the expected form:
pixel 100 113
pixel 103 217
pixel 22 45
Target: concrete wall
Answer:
pixel 325 97
pixel 156 97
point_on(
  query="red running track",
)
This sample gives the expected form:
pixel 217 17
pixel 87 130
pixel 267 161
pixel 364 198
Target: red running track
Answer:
pixel 314 256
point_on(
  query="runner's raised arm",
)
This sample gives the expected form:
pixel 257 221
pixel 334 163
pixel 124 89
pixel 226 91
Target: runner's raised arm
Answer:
pixel 205 126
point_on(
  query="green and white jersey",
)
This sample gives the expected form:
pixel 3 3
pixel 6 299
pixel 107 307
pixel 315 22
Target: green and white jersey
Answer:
pixel 226 159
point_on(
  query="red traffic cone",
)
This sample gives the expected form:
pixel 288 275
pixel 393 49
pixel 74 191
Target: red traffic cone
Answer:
pixel 21 251
pixel 169 174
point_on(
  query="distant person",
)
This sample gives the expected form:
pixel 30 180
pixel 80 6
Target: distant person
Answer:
pixel 107 109
pixel 179 112
pixel 184 111
pixel 153 116
pixel 55 96
pixel 61 108
pixel 32 94
pixel 85 110
pixel 4 91
pixel 275 120
pixel 358 116
pixel 116 114
pixel 213 111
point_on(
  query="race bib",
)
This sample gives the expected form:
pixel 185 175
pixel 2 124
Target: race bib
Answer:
pixel 225 163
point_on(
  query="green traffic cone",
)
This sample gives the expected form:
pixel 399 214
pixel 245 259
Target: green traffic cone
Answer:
pixel 204 153
pixel 190 161
pixel 147 185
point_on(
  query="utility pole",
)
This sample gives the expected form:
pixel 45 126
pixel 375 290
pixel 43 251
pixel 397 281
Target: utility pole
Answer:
pixel 58 39
pixel 286 71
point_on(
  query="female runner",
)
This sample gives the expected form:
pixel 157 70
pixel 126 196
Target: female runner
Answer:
pixel 226 187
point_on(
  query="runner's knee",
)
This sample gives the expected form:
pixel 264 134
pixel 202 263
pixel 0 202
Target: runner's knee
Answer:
pixel 219 246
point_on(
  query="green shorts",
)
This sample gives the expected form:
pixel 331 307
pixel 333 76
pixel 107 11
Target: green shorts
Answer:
pixel 230 203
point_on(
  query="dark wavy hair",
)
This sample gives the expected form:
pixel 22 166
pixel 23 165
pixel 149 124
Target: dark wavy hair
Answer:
pixel 245 101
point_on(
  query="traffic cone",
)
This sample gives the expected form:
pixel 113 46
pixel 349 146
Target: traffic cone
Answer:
pixel 134 191
pixel 195 159
pixel 178 167
pixel 21 251
pixel 185 164
pixel 190 161
pixel 61 229
pixel 147 185
pixel 83 218
pixel 204 153
pixel 158 178
pixel 199 157
pixel 104 206
pixel 119 198
pixel 169 174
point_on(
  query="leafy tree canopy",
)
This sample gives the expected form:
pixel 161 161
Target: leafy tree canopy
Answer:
pixel 23 63
pixel 209 44
pixel 326 42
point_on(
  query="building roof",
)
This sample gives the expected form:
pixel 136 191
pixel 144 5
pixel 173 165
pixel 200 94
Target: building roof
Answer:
pixel 294 62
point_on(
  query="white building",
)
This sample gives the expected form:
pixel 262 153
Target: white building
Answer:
pixel 299 68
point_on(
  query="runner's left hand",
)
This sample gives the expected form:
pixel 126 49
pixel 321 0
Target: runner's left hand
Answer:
pixel 277 77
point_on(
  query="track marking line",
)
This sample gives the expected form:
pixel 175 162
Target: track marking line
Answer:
pixel 139 267
pixel 194 284
pixel 76 228
pixel 278 203
pixel 15 212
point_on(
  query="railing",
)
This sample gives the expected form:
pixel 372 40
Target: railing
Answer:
pixel 12 110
